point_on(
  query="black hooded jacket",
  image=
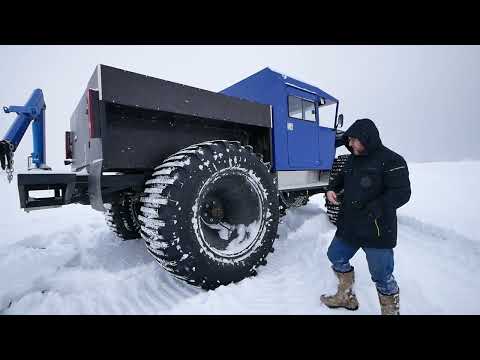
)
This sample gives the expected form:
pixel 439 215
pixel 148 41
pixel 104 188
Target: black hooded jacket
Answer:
pixel 375 185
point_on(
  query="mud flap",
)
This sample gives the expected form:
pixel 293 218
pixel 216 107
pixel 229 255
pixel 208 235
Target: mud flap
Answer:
pixel 95 186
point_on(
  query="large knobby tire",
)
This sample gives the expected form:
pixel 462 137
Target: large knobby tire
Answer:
pixel 337 167
pixel 210 213
pixel 122 217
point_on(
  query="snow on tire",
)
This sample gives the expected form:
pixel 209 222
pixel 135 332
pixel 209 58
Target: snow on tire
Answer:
pixel 122 217
pixel 210 213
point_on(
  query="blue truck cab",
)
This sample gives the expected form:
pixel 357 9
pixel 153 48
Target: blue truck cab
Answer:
pixel 303 119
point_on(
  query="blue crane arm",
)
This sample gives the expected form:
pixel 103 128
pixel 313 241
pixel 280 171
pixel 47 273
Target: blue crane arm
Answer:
pixel 34 110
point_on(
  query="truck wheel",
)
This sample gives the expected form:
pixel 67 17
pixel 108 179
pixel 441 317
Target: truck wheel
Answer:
pixel 337 167
pixel 122 217
pixel 210 213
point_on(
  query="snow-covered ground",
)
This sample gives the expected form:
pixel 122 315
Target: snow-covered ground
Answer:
pixel 66 261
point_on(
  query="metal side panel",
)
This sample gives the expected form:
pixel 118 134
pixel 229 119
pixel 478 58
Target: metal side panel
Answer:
pixel 136 90
pixel 142 139
pixel 79 134
pixel 295 180
pixel 81 146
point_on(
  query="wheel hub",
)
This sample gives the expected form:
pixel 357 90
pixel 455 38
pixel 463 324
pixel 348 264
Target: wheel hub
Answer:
pixel 212 211
pixel 230 214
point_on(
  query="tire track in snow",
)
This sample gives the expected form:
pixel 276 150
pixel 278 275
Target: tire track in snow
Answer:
pixel 444 243
pixel 101 276
pixel 443 233
pixel 443 262
pixel 151 305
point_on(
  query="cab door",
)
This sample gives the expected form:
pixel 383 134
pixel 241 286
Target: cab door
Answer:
pixel 302 129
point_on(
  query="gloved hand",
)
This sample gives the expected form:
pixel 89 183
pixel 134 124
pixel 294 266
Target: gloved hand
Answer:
pixel 5 154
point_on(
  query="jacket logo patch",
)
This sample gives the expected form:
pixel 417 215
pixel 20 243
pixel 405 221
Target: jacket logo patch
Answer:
pixel 366 182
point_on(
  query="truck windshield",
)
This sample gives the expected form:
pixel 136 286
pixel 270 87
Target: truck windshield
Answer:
pixel 326 114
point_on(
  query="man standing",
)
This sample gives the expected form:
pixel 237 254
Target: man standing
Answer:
pixel 375 182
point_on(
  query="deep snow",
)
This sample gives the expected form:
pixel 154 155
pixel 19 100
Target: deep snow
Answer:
pixel 66 261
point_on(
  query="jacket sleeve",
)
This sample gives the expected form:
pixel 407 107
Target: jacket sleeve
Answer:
pixel 397 189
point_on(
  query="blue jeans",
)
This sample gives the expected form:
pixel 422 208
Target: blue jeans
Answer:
pixel 380 263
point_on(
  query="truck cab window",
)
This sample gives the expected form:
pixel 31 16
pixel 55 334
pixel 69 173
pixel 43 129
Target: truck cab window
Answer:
pixel 308 110
pixel 326 114
pixel 301 109
pixel 295 107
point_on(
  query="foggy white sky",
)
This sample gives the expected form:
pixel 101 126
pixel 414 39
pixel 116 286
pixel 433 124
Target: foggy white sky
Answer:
pixel 422 98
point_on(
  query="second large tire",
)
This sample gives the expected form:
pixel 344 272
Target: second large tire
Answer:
pixel 122 216
pixel 210 213
pixel 337 167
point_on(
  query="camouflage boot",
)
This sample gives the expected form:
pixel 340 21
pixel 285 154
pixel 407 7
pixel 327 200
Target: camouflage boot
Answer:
pixel 390 304
pixel 345 297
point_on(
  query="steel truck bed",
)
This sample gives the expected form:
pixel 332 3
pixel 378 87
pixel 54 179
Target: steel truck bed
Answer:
pixel 134 119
